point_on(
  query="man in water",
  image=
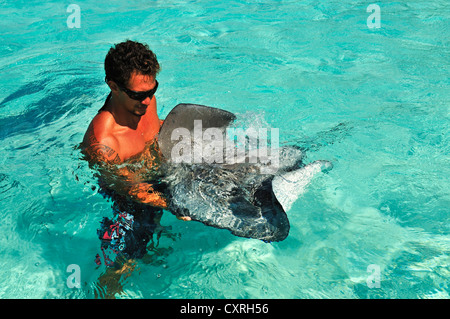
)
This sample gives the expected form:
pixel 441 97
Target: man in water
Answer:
pixel 121 143
pixel 128 122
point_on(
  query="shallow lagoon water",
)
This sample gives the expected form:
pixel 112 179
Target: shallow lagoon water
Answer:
pixel 374 102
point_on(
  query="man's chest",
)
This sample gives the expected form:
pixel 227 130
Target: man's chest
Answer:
pixel 133 142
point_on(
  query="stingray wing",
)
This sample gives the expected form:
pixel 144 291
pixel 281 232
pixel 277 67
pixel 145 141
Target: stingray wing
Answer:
pixel 183 116
pixel 218 198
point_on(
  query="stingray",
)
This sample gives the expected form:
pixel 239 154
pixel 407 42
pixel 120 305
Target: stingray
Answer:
pixel 244 197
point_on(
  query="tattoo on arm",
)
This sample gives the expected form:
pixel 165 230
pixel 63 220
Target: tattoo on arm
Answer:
pixel 105 153
pixel 102 153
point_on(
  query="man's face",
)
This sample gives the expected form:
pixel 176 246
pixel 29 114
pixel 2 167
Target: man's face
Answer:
pixel 137 83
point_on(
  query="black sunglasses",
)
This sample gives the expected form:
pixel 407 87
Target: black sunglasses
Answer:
pixel 140 96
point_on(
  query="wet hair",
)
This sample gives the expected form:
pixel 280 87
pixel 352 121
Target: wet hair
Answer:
pixel 127 57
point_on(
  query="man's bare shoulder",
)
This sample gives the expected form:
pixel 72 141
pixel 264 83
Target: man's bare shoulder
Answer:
pixel 99 141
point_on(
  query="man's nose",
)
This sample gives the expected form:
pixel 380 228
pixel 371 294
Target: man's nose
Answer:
pixel 146 101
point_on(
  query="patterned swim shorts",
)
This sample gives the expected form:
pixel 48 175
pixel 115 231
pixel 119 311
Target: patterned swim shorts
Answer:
pixel 128 232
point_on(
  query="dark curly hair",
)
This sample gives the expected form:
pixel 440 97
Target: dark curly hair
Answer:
pixel 129 56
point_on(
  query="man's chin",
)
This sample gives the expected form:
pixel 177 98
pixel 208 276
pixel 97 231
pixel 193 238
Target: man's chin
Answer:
pixel 140 111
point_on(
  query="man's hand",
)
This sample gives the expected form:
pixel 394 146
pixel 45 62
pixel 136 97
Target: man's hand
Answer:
pixel 144 193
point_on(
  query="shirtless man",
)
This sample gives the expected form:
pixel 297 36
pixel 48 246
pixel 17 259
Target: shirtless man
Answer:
pixel 120 143
pixel 128 122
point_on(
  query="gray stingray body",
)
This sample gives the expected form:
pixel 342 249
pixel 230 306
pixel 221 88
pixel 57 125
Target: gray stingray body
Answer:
pixel 237 197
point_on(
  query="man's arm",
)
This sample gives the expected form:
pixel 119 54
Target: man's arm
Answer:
pixel 121 178
pixel 103 152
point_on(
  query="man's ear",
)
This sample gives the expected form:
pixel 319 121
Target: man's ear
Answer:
pixel 113 86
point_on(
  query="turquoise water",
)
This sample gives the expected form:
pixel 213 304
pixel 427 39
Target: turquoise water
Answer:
pixel 375 102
